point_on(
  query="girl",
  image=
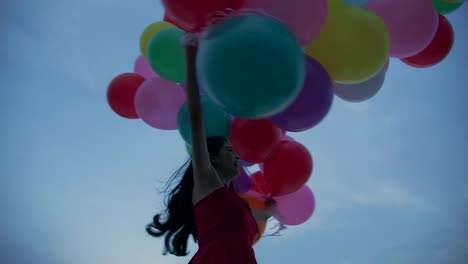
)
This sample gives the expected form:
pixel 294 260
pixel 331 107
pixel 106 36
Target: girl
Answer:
pixel 202 204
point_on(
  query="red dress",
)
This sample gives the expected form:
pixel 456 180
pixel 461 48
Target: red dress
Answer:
pixel 225 229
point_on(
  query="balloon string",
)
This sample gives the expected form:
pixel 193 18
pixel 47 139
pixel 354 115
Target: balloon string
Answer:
pixel 279 216
pixel 213 17
pixel 190 39
pixel 280 226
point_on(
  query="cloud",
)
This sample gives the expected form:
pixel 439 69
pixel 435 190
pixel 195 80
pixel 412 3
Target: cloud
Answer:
pixel 388 194
pixel 335 193
pixel 336 199
pixel 446 245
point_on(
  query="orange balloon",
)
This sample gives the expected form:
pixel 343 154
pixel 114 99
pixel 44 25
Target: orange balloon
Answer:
pixel 261 229
pixel 253 202
pixel 257 204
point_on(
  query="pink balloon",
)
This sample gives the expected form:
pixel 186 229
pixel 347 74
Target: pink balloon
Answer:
pixel 305 19
pixel 158 102
pixel 142 67
pixel 412 24
pixel 295 208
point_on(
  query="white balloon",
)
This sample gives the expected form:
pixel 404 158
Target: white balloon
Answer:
pixel 359 92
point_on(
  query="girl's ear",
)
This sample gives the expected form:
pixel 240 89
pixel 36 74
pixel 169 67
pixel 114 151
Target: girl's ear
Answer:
pixel 214 160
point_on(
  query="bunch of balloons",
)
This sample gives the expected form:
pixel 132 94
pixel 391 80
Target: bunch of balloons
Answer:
pixel 268 67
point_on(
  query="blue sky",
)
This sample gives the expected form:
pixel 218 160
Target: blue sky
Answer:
pixel 79 183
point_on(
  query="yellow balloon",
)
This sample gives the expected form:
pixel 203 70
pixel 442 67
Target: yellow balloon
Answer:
pixel 353 45
pixel 149 32
pixel 335 5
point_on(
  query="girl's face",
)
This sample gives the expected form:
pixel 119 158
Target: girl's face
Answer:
pixel 227 163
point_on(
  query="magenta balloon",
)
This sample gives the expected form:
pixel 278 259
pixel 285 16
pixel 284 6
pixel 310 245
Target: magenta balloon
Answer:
pixel 242 182
pixel 158 102
pixel 412 24
pixel 312 104
pixel 359 92
pixel 305 19
pixel 295 208
pixel 143 68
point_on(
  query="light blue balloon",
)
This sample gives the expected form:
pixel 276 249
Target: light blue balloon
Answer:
pixel 188 148
pixel 251 66
pixel 356 2
pixel 217 122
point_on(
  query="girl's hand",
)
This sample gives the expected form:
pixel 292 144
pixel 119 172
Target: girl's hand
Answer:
pixel 190 40
pixel 264 214
pixel 271 208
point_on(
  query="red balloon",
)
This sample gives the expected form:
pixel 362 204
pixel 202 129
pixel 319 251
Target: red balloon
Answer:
pixel 168 19
pixel 287 168
pixel 121 94
pixel 437 50
pixel 194 15
pixel 258 183
pixel 253 139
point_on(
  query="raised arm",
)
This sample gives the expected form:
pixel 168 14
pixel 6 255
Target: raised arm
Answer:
pixel 205 177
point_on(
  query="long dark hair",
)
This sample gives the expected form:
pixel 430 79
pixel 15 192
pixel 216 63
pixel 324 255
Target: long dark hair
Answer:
pixel 180 221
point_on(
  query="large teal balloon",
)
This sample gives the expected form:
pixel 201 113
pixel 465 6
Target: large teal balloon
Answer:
pixel 250 65
pixel 217 122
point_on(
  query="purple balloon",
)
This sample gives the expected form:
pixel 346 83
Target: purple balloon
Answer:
pixel 242 183
pixel 312 104
pixel 143 68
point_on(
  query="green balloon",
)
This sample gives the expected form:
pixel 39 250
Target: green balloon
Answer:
pixel 217 122
pixel 444 7
pixel 166 54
